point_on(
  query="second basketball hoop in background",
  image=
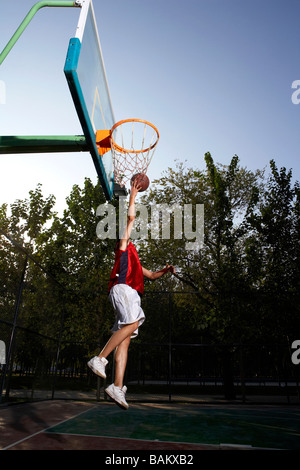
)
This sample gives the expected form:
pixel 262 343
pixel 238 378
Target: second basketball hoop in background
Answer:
pixel 142 180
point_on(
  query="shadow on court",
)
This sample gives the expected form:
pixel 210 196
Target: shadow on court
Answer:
pixel 67 425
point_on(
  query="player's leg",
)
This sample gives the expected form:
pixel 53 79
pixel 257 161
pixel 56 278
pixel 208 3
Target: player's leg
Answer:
pixel 117 338
pixel 98 363
pixel 116 390
pixel 121 356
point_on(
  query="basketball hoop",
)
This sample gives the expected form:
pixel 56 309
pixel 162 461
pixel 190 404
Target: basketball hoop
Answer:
pixel 133 143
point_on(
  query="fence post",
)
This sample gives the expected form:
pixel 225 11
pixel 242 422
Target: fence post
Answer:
pixel 170 345
pixel 14 326
pixel 242 373
pixel 58 349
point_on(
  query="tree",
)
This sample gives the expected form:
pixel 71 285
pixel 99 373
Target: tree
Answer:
pixel 242 283
pixel 81 262
pixel 25 225
pixel 216 272
pixel 29 218
pixel 275 228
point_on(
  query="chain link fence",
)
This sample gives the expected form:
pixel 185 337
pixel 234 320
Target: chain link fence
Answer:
pixel 169 360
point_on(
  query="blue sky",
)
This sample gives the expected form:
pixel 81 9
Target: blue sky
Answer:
pixel 212 75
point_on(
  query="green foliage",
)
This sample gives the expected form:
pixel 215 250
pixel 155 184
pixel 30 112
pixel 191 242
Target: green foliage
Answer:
pixel 251 250
pixel 241 286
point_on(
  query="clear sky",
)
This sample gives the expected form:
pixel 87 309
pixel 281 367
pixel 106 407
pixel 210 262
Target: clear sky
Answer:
pixel 212 75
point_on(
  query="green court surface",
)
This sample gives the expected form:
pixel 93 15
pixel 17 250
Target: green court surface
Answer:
pixel 268 428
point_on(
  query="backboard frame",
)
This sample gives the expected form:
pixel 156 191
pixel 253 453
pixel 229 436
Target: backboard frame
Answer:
pixel 85 114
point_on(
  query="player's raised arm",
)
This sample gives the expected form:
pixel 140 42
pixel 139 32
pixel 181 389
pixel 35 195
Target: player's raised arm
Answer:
pixel 135 186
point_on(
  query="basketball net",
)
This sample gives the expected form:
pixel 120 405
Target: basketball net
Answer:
pixel 133 143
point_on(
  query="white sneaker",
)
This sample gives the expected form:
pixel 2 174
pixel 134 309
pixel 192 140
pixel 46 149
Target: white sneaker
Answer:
pixel 118 395
pixel 97 365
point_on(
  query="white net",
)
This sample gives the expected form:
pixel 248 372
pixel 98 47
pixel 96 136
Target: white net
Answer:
pixel 133 143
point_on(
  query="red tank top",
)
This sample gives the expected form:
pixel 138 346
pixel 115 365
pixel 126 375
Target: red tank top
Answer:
pixel 127 269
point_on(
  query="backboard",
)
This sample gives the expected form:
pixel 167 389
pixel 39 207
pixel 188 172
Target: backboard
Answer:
pixel 86 77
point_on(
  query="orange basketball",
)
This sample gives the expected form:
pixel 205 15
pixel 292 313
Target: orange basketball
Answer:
pixel 142 179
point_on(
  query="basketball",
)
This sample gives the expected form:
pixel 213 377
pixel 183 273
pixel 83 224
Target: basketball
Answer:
pixel 142 179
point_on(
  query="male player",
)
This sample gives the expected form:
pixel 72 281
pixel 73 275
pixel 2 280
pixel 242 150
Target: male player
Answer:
pixel 126 285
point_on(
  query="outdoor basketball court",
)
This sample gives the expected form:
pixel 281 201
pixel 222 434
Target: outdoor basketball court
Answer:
pixel 87 425
pixel 71 425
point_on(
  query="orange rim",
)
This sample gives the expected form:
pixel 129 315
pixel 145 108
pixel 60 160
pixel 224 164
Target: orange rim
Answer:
pixel 121 149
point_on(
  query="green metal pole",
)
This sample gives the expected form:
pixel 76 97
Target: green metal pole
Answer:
pixel 27 20
pixel 42 144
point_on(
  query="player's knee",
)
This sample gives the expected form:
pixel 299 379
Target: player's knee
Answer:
pixel 131 326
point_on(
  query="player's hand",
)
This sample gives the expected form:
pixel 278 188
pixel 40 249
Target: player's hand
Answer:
pixel 135 187
pixel 171 268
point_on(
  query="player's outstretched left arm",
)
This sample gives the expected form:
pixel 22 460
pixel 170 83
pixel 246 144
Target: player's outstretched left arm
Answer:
pixel 156 274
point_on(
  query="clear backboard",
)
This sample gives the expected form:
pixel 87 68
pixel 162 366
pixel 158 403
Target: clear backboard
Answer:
pixel 86 76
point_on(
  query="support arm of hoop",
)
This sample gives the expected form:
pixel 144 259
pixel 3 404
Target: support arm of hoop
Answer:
pixel 103 141
pixel 29 17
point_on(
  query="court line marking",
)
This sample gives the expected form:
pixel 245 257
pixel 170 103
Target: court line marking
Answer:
pixel 156 441
pixel 159 441
pixel 45 429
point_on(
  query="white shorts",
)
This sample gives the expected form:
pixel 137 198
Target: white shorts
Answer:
pixel 127 305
